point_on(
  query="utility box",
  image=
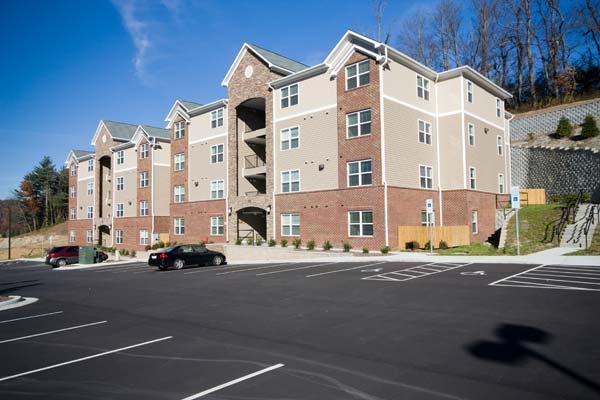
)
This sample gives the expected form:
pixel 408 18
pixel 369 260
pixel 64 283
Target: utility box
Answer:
pixel 87 255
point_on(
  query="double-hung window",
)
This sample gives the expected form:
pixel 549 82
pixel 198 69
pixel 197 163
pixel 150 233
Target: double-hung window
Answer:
pixel 179 129
pixel 89 236
pixel 217 153
pixel 90 212
pixel 120 210
pixel 290 224
pixel 290 138
pixel 469 91
pixel 422 87
pixel 216 226
pixel 71 236
pixel 474 223
pixel 360 173
pixel 471 133
pixel 119 236
pixel 90 165
pixel 90 189
pixel 73 214
pixel 427 219
pixel 358 123
pixel 216 118
pixel 144 237
pixel 289 96
pixel 501 183
pixel 73 192
pixel 120 182
pixel 120 157
pixel 472 178
pixel 179 161
pixel 143 208
pixel 498 107
pixel 500 146
pixel 144 181
pixel 217 189
pixel 179 226
pixel 73 169
pixel 143 150
pixel 425 177
pixel 424 132
pixel 360 223
pixel 358 74
pixel 290 181
pixel 179 193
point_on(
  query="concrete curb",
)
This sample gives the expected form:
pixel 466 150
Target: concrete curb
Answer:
pixel 16 301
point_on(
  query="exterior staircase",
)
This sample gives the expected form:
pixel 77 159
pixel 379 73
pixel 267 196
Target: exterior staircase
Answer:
pixel 579 234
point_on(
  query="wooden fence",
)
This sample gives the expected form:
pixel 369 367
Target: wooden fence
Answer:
pixel 533 196
pixel 453 235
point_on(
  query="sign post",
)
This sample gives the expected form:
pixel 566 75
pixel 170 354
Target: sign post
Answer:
pixel 429 210
pixel 515 200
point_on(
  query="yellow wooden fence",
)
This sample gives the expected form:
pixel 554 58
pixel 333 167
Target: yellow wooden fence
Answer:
pixel 453 235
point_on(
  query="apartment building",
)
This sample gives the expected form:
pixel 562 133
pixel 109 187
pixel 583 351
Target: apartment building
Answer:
pixel 116 192
pixel 347 151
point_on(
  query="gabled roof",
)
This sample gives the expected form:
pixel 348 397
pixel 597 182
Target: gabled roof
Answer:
pixel 78 155
pixel 160 133
pixel 476 77
pixel 274 61
pixel 119 131
pixel 190 105
pixel 181 107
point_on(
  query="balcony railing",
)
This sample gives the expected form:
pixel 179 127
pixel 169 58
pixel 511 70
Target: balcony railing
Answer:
pixel 253 161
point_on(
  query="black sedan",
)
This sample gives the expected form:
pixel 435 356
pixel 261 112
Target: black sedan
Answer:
pixel 185 254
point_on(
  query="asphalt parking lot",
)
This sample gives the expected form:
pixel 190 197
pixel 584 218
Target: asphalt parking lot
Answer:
pixel 307 330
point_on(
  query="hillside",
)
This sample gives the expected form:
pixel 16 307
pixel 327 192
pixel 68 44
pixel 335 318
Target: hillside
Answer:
pixel 34 244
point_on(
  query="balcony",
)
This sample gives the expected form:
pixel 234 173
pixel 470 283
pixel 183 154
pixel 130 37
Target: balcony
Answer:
pixel 254 167
pixel 257 136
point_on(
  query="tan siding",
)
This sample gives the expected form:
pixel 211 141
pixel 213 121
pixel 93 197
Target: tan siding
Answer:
pixel 202 171
pixel 451 152
pixel 484 156
pixel 483 105
pixel 449 96
pixel 200 127
pixel 400 83
pixel 162 192
pixel 313 93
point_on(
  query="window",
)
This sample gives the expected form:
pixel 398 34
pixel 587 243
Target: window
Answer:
pixel 500 145
pixel 120 210
pixel 424 221
pixel 216 118
pixel 357 75
pixel 422 88
pixel 474 227
pixel 426 176
pixel 498 107
pixel 471 133
pixel 217 189
pixel 73 213
pixel 179 161
pixel 72 236
pixel 290 224
pixel 120 157
pixel 290 138
pixel 73 191
pixel 472 178
pixel 216 226
pixel 144 179
pixel 469 91
pixel 424 132
pixel 501 183
pixel 143 150
pixel 90 165
pixel 89 236
pixel 290 181
pixel 143 237
pixel 90 212
pixel 179 192
pixel 73 169
pixel 360 223
pixel 179 226
pixel 217 153
pixel 119 236
pixel 289 96
pixel 90 189
pixel 358 123
pixel 360 173
pixel 143 208
pixel 120 183
pixel 179 129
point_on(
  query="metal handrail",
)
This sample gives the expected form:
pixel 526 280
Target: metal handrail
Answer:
pixel 589 220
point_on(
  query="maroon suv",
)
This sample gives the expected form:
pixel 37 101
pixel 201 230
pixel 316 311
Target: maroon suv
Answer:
pixel 60 256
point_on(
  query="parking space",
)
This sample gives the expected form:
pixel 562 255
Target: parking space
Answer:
pixel 555 277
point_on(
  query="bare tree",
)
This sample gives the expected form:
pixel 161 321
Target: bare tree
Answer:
pixel 588 20
pixel 446 26
pixel 415 38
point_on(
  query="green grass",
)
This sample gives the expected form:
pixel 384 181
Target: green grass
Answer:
pixel 593 250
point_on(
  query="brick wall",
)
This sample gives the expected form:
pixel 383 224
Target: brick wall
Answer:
pixel 458 206
pixel 197 221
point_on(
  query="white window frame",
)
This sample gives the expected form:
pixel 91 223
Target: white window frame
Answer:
pixel 73 169
pixel 424 215
pixel 472 178
pixel 500 145
pixel 119 210
pixel 179 193
pixel 498 108
pixel 119 236
pixel 179 161
pixel 290 138
pixel 120 183
pixel 217 153
pixel 360 123
pixel 217 189
pixel 474 222
pixel 179 226
pixel 89 236
pixel 424 128
pixel 144 237
pixel 471 134
pixel 357 76
pixel 470 91
pixel 73 191
pixel 90 188
pixel 290 95
pixel 71 236
pixel 425 176
pixel 501 184
pixel 144 179
pixel 120 156
pixel 144 211
pixel 422 87
pixel 73 214
pixel 217 117
pixel 362 175
pixel 144 150
pixel 90 212
pixel 91 165
pixel 217 227
pixel 288 180
pixel 179 130
pixel 290 224
pixel 361 224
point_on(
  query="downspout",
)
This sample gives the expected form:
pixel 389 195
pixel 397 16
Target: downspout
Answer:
pixel 439 164
pixel 508 159
pixel 273 169
pixel 462 131
pixel 227 158
pixel 152 191
pixel 382 132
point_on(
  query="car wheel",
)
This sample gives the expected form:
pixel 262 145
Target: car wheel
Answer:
pixel 62 262
pixel 217 260
pixel 179 263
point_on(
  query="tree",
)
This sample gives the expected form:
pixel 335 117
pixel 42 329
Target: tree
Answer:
pixel 564 129
pixel 589 128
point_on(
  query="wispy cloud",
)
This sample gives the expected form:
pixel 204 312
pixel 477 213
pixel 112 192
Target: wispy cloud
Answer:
pixel 137 28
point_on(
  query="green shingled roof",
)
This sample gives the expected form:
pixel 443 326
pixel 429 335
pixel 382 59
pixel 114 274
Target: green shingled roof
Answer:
pixel 279 60
pixel 120 130
pixel 190 105
pixel 81 153
pixel 157 132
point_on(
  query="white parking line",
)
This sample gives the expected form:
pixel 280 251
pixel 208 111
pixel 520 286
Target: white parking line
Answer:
pixel 51 332
pixel 233 382
pixel 296 269
pixel 6 378
pixel 216 268
pixel 254 269
pixel 560 275
pixel 414 272
pixel 32 316
pixel 346 269
pixel 515 275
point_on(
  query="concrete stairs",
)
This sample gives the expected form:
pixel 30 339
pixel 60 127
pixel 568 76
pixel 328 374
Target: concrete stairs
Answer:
pixel 574 234
pixel 502 218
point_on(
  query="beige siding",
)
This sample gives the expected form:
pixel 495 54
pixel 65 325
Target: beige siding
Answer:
pixel 201 170
pixel 162 192
pixel 483 105
pixel 129 192
pixel 484 156
pixel 400 83
pixel 83 199
pixel 449 92
pixel 451 152
pixel 200 127
pixel 318 145
pixel 313 93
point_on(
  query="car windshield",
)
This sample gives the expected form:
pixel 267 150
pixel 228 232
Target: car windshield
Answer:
pixel 54 249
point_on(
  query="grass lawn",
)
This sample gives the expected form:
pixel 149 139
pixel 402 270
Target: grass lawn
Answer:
pixel 594 249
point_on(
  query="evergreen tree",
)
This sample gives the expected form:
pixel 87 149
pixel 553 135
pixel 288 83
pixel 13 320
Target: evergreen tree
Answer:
pixel 564 129
pixel 589 128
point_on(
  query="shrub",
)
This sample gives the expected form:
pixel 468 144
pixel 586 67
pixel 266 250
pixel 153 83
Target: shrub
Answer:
pixel 284 242
pixel 310 245
pixel 412 245
pixel 250 241
pixel 133 253
pixel 385 250
pixel 564 129
pixel 259 241
pixel 427 245
pixel 347 247
pixel 327 245
pixel 589 128
pixel 443 245
pixel 297 242
pixel 272 243
pixel 238 241
pixel 365 250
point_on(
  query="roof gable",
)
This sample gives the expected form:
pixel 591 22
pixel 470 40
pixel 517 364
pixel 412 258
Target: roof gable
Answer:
pixel 119 131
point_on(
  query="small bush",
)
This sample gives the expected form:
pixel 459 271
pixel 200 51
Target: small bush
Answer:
pixel 284 242
pixel 589 128
pixel 297 242
pixel 564 129
pixel 412 245
pixel 259 241
pixel 310 245
pixel 272 243
pixel 133 253
pixel 327 245
pixel 347 247
pixel 238 242
pixel 427 245
pixel 365 250
pixel 250 242
pixel 443 245
pixel 385 250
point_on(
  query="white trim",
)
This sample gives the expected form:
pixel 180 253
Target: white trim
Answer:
pixel 383 158
pixel 116 171
pixel 408 105
pixel 314 110
pixel 85 179
pixel 462 134
pixel 161 165
pixel 438 160
pixel 208 138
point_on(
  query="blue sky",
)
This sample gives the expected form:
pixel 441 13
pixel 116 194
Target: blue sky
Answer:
pixel 67 64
